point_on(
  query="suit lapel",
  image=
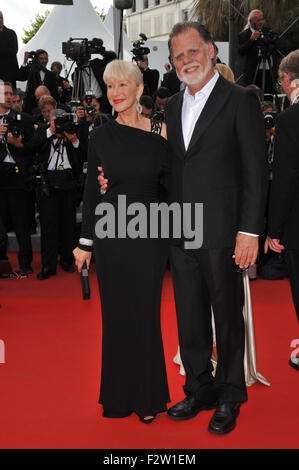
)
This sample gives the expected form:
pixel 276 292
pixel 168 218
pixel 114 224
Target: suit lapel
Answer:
pixel 211 109
pixel 175 125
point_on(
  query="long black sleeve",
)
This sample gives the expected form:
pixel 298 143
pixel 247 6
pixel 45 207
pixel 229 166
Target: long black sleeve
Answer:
pixel 92 193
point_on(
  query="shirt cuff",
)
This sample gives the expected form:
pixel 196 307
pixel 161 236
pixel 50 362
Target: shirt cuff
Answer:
pixel 85 244
pixel 250 234
pixel 49 133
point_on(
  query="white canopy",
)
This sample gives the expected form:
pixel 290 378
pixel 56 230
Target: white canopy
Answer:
pixel 64 22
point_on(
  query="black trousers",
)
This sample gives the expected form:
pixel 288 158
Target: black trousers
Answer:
pixel 201 279
pixel 292 261
pixel 57 214
pixel 14 210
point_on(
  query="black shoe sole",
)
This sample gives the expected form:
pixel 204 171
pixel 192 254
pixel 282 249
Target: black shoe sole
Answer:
pixel 185 418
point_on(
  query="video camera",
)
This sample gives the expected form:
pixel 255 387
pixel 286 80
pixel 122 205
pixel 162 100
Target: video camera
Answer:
pixel 81 51
pixel 139 50
pixel 267 39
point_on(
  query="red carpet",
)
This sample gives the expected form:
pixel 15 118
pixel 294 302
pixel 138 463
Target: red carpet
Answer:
pixel 50 378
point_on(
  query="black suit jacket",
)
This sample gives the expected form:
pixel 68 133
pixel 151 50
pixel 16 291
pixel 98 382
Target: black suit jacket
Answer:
pixel 9 67
pixel 32 75
pixel 171 81
pixel 225 164
pixel 151 80
pixel 284 195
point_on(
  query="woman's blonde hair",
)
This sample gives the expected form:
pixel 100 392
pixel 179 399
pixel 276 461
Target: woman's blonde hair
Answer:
pixel 226 72
pixel 123 69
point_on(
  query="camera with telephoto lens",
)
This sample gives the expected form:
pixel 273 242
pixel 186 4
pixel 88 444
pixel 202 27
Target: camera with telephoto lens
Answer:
pixel 81 51
pixel 139 50
pixel 13 122
pixel 269 120
pixel 65 123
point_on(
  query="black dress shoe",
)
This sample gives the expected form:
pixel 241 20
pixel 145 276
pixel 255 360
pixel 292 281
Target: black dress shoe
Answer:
pixel 45 273
pixel 294 362
pixel 188 408
pixel 224 418
pixel 68 268
pixel 26 269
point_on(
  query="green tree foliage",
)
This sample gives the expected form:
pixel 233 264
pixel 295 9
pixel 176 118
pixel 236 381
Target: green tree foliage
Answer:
pixel 34 26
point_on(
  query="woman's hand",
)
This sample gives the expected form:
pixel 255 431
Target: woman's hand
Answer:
pixel 80 257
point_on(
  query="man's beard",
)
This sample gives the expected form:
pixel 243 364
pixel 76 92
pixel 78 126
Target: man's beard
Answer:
pixel 198 76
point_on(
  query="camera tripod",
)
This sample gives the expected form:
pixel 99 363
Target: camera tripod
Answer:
pixel 264 60
pixel 78 83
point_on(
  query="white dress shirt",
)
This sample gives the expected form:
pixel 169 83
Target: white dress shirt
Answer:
pixel 193 106
pixel 192 109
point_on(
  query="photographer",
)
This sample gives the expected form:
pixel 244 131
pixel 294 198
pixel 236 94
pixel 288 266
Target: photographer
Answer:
pixel 16 131
pixel 161 96
pixel 92 79
pixel 36 74
pixel 253 40
pixel 86 115
pixel 63 85
pixel 150 77
pixel 60 168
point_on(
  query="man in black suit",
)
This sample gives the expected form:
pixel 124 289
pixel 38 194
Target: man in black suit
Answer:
pixel 16 161
pixel 89 77
pixel 283 224
pixel 171 80
pixel 36 74
pixel 9 67
pixel 250 42
pixel 217 136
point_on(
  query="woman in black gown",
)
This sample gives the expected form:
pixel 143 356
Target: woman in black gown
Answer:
pixel 130 270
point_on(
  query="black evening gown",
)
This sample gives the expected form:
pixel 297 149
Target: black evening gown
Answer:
pixel 130 271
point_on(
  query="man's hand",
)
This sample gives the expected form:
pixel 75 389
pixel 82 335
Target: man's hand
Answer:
pixel 15 141
pixel 66 84
pixel 246 250
pixel 102 180
pixel 26 57
pixel 273 244
pixel 52 125
pixel 256 34
pixel 72 138
pixel 3 129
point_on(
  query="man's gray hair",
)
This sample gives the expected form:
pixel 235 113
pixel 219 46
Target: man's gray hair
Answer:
pixel 250 17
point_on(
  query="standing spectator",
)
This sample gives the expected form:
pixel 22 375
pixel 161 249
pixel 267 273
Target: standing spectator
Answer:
pixel 171 80
pixel 36 74
pixel 8 54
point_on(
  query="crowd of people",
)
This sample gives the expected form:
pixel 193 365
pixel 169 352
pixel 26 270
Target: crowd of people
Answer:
pixel 212 147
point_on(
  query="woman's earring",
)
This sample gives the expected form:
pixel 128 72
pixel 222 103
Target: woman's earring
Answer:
pixel 139 107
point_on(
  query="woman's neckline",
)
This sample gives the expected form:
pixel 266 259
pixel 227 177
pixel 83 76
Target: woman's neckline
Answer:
pixel 139 129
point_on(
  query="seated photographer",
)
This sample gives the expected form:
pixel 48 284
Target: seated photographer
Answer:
pixel 36 74
pixel 171 80
pixel 63 85
pixel 150 77
pixel 92 79
pixel 60 169
pixel 16 160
